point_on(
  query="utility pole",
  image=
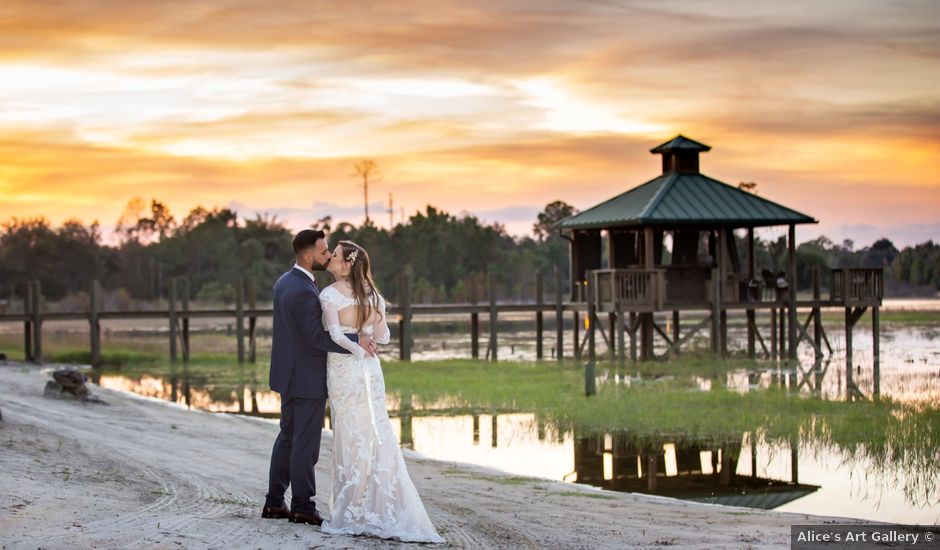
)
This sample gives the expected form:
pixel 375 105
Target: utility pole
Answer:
pixel 391 211
pixel 365 168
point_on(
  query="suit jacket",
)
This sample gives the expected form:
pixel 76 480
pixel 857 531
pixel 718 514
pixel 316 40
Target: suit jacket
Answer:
pixel 299 342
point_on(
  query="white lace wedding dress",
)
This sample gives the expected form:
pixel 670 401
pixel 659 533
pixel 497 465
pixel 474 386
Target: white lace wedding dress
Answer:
pixel 372 492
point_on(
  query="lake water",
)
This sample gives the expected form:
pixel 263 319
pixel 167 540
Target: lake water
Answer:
pixel 737 471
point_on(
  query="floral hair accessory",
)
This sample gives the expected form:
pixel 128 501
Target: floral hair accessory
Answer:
pixel 353 256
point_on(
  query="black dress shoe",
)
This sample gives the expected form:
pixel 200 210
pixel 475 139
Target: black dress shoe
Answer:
pixel 275 512
pixel 312 518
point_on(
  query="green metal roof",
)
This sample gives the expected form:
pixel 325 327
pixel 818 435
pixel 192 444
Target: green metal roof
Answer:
pixel 684 198
pixel 680 143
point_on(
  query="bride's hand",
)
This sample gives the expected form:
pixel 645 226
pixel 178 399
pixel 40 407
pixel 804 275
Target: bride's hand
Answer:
pixel 366 343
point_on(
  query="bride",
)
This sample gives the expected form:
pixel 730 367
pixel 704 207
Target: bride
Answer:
pixel 372 493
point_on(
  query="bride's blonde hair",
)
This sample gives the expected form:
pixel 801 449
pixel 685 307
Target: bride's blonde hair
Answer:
pixel 361 281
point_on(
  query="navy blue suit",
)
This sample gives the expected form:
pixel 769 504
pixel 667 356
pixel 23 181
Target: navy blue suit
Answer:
pixel 298 372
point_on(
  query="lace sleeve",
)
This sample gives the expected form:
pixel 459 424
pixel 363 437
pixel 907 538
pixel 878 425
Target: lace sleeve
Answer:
pixel 331 324
pixel 380 332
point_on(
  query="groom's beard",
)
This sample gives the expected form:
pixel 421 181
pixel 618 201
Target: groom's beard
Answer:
pixel 317 266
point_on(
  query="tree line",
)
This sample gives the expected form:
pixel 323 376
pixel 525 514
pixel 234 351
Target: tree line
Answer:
pixel 449 257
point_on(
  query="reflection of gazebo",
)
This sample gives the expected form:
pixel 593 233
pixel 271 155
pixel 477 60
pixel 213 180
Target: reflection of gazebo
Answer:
pixel 670 246
pixel 699 471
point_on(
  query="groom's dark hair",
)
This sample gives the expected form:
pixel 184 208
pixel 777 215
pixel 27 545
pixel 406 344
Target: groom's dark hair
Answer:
pixel 307 238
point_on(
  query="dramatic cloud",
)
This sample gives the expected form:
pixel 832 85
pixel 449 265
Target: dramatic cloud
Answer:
pixel 494 107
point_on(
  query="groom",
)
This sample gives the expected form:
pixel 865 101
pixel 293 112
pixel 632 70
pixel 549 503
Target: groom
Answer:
pixel 298 373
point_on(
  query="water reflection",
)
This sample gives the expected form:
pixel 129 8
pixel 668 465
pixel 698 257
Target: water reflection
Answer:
pixel 703 471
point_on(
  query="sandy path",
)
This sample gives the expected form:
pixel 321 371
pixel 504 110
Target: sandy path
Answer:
pixel 143 474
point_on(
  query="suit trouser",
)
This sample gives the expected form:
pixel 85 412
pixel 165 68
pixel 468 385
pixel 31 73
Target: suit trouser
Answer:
pixel 295 454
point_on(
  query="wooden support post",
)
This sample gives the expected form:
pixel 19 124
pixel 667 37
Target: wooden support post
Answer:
pixel 474 321
pixel 171 303
pixel 240 319
pixel 405 333
pixel 782 326
pixel 792 288
pixel 184 303
pixel 37 321
pixel 252 323
pixel 94 324
pixel 539 352
pixel 589 382
pixel 817 314
pixel 723 321
pixel 849 366
pixel 633 327
pixel 651 467
pixel 716 312
pixel 611 336
pixel 794 462
pixel 675 331
pixel 28 323
pixel 876 350
pixel 559 317
pixel 621 329
pixel 750 334
pixel 773 333
pixel 494 344
pixel 577 334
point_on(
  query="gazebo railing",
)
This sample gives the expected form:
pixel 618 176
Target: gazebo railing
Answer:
pixel 857 285
pixel 634 288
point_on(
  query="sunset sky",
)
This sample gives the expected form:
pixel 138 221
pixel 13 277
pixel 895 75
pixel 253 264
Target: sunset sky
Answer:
pixel 491 107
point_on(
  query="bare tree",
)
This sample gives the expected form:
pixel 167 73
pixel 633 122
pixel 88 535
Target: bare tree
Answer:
pixel 365 169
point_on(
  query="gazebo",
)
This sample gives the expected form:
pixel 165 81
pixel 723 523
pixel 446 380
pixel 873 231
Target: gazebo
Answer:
pixel 670 246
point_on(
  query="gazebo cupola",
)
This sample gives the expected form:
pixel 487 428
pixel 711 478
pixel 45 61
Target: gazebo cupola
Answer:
pixel 680 155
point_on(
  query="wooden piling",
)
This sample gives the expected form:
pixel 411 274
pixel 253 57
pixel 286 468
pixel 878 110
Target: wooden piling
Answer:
pixel 751 347
pixel 474 321
pixel 538 316
pixel 252 323
pixel 817 313
pixel 876 350
pixel 723 322
pixel 494 344
pixel 716 312
pixel 37 321
pixel 94 324
pixel 651 467
pixel 633 328
pixel 240 319
pixel 589 382
pixel 171 303
pixel 773 333
pixel 621 329
pixel 577 334
pixel 559 317
pixel 792 288
pixel 184 302
pixel 405 325
pixel 849 366
pixel 28 323
pixel 675 330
